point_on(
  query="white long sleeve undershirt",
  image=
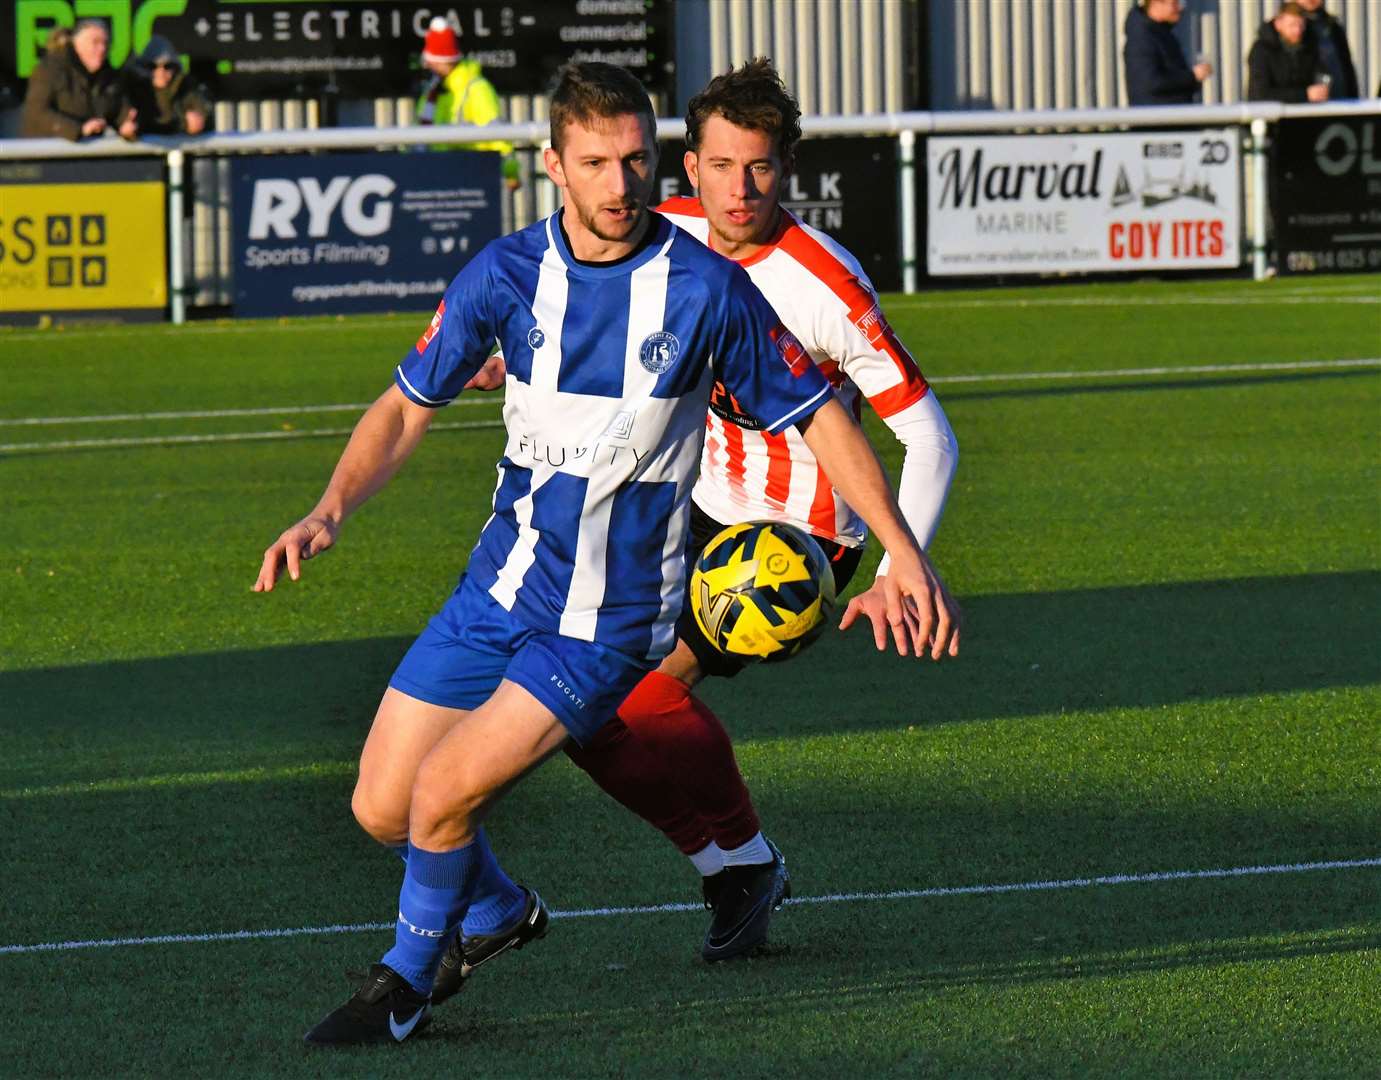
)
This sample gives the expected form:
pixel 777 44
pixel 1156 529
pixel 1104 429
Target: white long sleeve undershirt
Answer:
pixel 932 454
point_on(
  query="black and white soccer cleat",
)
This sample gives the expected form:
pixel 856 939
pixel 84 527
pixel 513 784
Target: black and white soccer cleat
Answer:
pixel 743 899
pixel 386 1009
pixel 464 954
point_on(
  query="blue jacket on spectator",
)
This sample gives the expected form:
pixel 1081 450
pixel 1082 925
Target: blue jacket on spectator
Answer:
pixel 1157 72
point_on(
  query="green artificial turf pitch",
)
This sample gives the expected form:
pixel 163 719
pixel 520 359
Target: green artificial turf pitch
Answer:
pixel 1172 663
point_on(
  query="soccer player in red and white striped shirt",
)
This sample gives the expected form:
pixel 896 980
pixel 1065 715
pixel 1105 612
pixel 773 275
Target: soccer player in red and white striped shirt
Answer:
pixel 667 757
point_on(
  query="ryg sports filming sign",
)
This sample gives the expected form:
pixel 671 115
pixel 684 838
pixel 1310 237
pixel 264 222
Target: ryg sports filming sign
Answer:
pixel 1326 195
pixel 358 232
pixel 1071 203
pixel 82 238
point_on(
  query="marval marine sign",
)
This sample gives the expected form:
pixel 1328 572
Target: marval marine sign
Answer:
pixel 1037 204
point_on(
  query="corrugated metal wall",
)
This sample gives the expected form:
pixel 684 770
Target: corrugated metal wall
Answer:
pixel 1067 54
pixel 838 56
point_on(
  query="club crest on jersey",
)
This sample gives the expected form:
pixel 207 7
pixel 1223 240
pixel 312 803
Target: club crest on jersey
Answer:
pixel 659 351
pixel 432 328
pixel 535 338
pixel 793 353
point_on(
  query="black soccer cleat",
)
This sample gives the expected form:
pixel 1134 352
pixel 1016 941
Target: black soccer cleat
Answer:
pixel 712 886
pixel 743 899
pixel 386 1009
pixel 464 955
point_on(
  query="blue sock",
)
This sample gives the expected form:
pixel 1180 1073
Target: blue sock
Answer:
pixel 436 891
pixel 401 850
pixel 496 903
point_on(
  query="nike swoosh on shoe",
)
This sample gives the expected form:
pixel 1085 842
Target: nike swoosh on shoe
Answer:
pixel 403 1030
pixel 743 923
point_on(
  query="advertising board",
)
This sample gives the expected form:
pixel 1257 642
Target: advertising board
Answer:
pixel 82 238
pixel 362 48
pixel 338 233
pixel 1326 194
pixel 1029 204
pixel 846 187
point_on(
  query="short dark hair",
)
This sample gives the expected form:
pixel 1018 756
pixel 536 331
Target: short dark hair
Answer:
pixel 1291 8
pixel 591 91
pixel 752 96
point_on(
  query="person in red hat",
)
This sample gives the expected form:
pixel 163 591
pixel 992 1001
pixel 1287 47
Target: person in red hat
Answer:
pixel 458 94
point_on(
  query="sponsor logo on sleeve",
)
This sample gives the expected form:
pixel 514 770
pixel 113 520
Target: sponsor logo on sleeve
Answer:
pixel 872 324
pixel 432 328
pixel 725 406
pixel 792 352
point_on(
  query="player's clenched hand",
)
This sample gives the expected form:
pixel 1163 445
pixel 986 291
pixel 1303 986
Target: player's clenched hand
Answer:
pixel 310 536
pixel 918 602
pixel 490 376
pixel 872 605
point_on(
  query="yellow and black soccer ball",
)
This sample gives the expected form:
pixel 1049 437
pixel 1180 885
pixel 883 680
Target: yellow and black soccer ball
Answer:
pixel 762 590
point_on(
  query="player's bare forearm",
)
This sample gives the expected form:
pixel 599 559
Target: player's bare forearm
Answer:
pixel 384 438
pixel 918 606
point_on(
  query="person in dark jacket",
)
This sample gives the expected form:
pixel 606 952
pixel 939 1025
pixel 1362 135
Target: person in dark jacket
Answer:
pixel 73 92
pixel 165 99
pixel 1157 72
pixel 1335 58
pixel 1283 64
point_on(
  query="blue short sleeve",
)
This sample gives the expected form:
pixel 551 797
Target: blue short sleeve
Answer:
pixel 457 341
pixel 762 363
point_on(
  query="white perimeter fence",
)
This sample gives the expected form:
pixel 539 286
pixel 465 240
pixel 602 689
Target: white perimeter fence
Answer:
pixel 1254 117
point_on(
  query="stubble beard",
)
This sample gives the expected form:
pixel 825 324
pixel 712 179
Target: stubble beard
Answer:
pixel 590 219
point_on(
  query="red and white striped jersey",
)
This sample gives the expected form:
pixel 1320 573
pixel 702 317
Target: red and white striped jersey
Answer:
pixel 825 299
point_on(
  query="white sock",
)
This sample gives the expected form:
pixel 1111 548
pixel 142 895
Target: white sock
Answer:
pixel 754 853
pixel 709 860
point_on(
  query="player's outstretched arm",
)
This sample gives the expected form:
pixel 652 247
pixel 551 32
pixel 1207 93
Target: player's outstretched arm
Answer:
pixel 919 609
pixel 383 439
pixel 932 453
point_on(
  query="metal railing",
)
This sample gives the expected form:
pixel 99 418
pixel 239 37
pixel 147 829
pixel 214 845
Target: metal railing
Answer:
pixel 905 126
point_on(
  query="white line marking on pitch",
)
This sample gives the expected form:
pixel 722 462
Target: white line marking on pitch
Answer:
pixel 1141 301
pixel 294 410
pixel 205 414
pixel 245 436
pixel 1197 369
pixel 1334 293
pixel 658 909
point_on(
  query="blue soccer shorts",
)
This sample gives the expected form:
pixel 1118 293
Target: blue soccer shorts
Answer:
pixel 472 644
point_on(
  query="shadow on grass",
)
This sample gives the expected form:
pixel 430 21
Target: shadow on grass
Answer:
pixel 1024 654
pixel 263 854
pixel 821 991
pixel 1082 650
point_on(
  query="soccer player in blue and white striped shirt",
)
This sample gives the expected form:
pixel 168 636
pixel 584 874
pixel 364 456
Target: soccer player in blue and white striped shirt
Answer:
pixel 614 325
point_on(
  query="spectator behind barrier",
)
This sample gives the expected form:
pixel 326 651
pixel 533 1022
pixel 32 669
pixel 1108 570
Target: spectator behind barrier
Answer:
pixel 1283 64
pixel 459 94
pixel 73 92
pixel 1157 72
pixel 1335 58
pixel 164 99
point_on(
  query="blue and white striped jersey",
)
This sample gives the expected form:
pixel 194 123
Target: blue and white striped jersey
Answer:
pixel 609 374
